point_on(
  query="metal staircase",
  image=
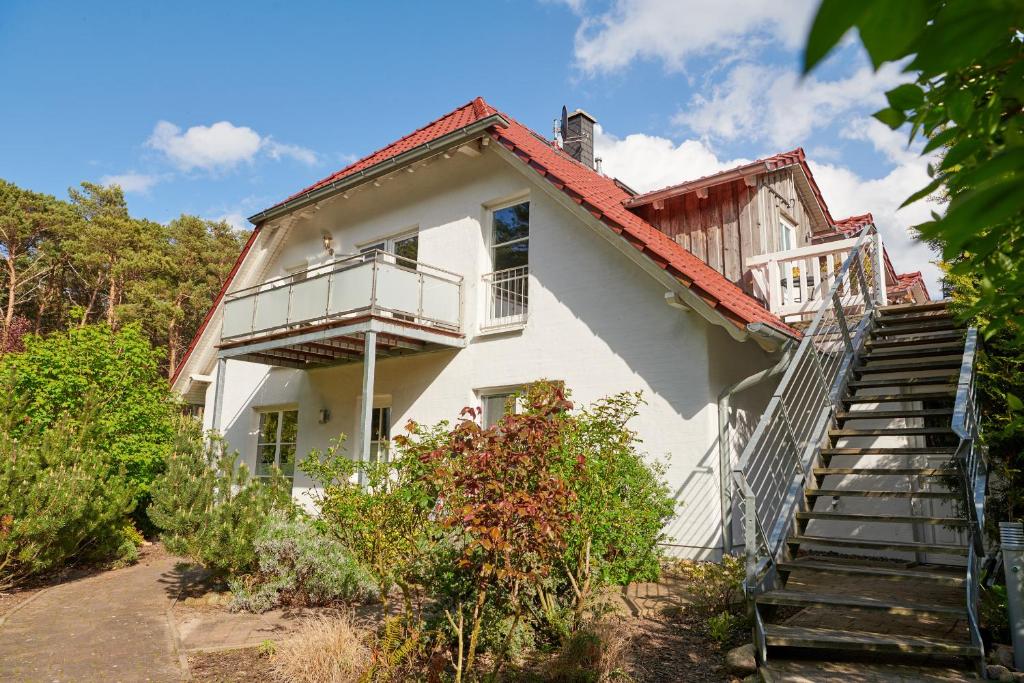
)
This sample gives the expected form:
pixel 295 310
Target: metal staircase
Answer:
pixel 863 486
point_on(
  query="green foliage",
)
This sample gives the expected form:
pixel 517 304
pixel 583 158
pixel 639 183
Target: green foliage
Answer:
pixel 298 565
pixel 593 654
pixel 133 412
pixel 967 98
pixel 723 626
pixel 715 587
pixel 208 508
pixel 63 498
pixel 993 613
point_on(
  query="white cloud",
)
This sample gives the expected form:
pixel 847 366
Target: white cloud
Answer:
pixel 773 104
pixel 649 162
pixel 235 219
pixel 132 182
pixel 220 146
pixel 674 31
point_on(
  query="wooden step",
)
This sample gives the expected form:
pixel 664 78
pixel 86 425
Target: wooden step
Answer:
pixel 880 519
pixel 877 493
pixel 915 352
pixel 896 309
pixel 789 598
pixel 892 450
pixel 887 414
pixel 917 340
pixel 813 564
pixel 901 398
pixel 913 317
pixel 948 382
pixel 915 328
pixel 885 471
pixel 897 546
pixel 861 641
pixel 889 431
pixel 924 364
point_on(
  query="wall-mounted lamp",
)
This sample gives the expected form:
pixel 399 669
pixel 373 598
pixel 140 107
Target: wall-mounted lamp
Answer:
pixel 328 243
pixel 325 415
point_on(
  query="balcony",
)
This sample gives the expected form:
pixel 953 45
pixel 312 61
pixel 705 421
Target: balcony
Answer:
pixel 793 283
pixel 507 297
pixel 321 315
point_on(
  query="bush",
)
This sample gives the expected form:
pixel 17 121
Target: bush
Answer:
pixel 63 499
pixel 133 417
pixel 323 651
pixel 208 508
pixel 714 587
pixel 298 565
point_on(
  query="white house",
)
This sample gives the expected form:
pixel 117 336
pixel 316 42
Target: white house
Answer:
pixel 474 256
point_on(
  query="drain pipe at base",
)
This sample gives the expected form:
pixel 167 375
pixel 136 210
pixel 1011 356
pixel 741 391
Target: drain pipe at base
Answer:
pixel 788 346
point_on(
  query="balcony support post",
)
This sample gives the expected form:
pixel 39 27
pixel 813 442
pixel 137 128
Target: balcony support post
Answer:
pixel 366 419
pixel 218 395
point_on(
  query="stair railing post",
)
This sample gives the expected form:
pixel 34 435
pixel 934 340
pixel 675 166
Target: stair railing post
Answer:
pixel 841 320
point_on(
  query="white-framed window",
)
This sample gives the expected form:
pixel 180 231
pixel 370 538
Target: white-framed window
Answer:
pixel 507 292
pixel 275 442
pixel 380 434
pixel 405 247
pixel 495 403
pixel 787 233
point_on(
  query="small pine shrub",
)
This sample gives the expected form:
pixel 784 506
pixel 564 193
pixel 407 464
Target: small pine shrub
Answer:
pixel 208 508
pixel 299 565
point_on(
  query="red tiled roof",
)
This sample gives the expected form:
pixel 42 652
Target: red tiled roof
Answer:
pixel 600 195
pixel 772 163
pixel 906 281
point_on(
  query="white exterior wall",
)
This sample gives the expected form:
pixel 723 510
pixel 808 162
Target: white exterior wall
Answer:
pixel 596 321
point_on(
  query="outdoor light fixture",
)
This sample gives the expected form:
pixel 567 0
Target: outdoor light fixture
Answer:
pixel 325 415
pixel 328 243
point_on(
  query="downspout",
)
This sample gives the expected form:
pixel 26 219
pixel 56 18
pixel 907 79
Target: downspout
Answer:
pixel 786 345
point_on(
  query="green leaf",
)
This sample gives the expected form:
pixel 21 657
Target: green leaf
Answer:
pixel 889 29
pixel 941 138
pixel 894 118
pixel 1015 403
pixel 960 152
pixel 906 96
pixel 922 193
pixel 960 106
pixel 974 212
pixel 833 20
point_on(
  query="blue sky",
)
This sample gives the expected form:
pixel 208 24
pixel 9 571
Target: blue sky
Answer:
pixel 220 109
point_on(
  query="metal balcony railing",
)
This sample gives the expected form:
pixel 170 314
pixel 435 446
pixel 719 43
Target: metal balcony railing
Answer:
pixel 507 297
pixel 375 282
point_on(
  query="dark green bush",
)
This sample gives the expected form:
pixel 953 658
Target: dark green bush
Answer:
pixel 63 498
pixel 207 506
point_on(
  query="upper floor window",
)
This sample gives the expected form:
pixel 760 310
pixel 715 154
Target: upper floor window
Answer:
pixel 510 236
pixel 507 293
pixel 275 444
pixel 405 247
pixel 787 233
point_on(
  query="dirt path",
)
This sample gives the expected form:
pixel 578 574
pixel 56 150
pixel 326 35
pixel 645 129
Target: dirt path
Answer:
pixel 112 627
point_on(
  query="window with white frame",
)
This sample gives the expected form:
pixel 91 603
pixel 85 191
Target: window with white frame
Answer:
pixel 380 434
pixel 497 403
pixel 405 247
pixel 787 233
pixel 509 239
pixel 275 443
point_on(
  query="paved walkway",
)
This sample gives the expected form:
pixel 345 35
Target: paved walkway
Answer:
pixel 112 627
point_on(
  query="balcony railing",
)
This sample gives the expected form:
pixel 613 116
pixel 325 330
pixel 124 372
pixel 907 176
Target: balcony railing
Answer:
pixel 375 283
pixel 796 282
pixel 507 297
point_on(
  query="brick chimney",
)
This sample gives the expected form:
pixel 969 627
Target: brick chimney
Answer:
pixel 579 138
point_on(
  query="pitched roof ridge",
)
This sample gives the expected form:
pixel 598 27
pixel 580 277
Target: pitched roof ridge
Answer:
pixel 478 106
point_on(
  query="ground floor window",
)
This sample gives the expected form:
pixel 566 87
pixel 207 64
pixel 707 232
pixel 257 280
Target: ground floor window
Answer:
pixel 496 404
pixel 380 434
pixel 276 442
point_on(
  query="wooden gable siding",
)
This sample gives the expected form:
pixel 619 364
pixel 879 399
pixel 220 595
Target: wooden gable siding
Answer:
pixel 721 230
pixel 734 222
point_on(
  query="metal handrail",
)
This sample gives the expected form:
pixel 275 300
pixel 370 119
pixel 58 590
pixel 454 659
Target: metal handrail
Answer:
pixel 773 468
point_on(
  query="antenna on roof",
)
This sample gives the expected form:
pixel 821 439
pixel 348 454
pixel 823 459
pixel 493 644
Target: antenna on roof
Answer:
pixel 563 125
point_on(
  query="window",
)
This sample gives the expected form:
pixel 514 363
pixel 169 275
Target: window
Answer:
pixel 380 433
pixel 496 405
pixel 405 248
pixel 507 286
pixel 275 444
pixel 787 233
pixel 510 236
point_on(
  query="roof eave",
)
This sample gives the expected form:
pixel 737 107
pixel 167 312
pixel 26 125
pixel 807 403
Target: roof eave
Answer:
pixel 754 168
pixel 447 141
